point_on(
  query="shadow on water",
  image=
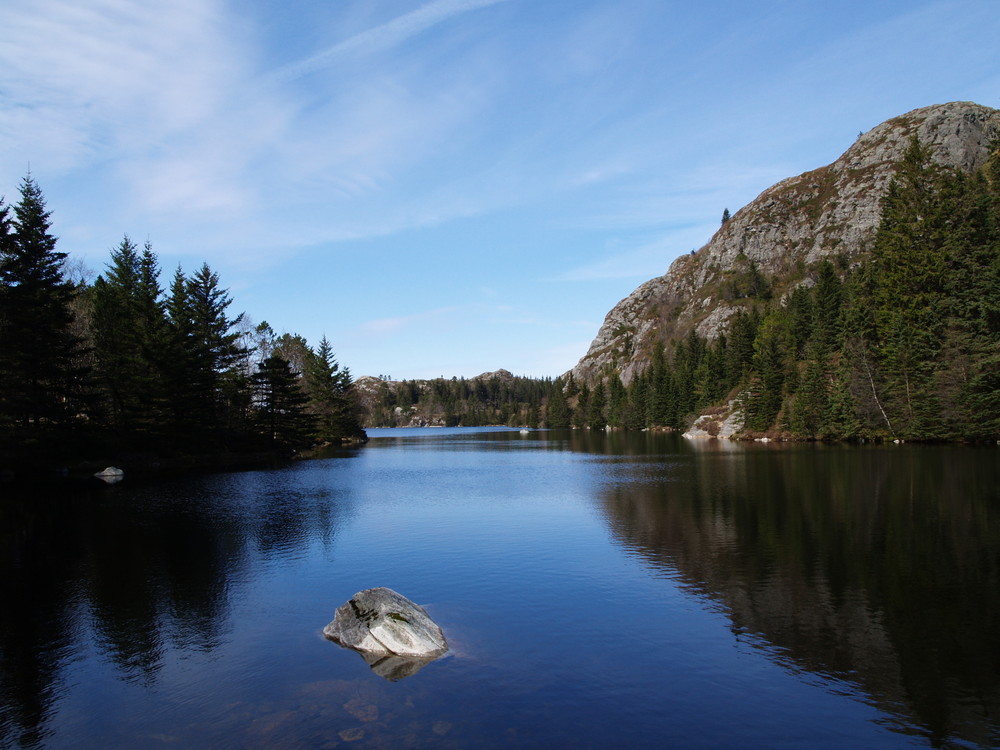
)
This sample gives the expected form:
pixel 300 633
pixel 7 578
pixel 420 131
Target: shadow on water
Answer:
pixel 878 566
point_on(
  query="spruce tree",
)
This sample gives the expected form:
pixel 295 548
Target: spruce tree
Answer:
pixel 975 291
pixel 280 405
pixel 41 379
pixel 330 400
pixel 596 418
pixel 128 325
pixel 557 415
pixel 208 392
pixel 828 298
pixel 766 390
pixel 909 262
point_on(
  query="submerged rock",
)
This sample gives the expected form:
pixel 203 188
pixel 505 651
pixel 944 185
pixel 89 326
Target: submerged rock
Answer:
pixel 381 623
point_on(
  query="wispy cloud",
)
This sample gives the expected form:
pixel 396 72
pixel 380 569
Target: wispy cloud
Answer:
pixel 382 37
pixel 392 325
pixel 81 80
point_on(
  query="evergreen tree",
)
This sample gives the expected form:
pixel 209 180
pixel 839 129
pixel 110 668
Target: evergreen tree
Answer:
pixel 841 420
pixel 968 373
pixel 280 404
pixel 638 396
pixel 800 317
pixel 128 327
pixel 596 418
pixel 581 414
pixel 208 388
pixel 617 410
pixel 909 261
pixel 329 391
pixel 661 404
pixel 40 376
pixel 828 297
pixel 765 394
pixel 558 414
pixel 809 406
pixel 186 381
pixel 740 352
pixel 860 375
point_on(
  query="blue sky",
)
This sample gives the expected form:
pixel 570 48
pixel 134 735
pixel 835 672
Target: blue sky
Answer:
pixel 447 187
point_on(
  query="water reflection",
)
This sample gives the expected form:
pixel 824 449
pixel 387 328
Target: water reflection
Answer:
pixel 877 566
pixel 861 569
pixel 394 667
pixel 147 571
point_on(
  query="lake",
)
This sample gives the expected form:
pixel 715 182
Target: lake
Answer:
pixel 597 590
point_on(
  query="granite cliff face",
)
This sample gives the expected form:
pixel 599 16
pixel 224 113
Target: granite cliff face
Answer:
pixel 832 211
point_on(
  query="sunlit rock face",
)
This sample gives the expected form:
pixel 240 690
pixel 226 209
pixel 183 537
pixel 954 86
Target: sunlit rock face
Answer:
pixel 381 622
pixel 830 212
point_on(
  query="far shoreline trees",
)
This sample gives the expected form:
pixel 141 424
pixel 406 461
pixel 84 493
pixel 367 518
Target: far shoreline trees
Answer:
pixel 123 368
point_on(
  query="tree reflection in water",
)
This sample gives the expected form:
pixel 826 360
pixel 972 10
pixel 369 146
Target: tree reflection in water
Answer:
pixel 149 570
pixel 875 565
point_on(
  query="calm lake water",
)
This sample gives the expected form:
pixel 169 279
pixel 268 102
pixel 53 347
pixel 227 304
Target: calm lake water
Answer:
pixel 597 591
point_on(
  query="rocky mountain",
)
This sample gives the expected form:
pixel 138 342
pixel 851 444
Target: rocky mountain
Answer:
pixel 830 212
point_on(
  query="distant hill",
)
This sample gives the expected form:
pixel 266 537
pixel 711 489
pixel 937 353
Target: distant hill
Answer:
pixel 492 398
pixel 830 212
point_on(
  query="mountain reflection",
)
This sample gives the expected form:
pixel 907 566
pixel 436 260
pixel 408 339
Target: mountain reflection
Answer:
pixel 877 566
pixel 146 570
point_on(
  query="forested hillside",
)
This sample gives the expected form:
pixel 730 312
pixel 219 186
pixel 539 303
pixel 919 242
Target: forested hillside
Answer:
pixel 902 343
pixel 899 342
pixel 124 370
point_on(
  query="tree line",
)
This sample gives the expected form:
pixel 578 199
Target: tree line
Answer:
pixel 124 364
pixel 903 343
pixel 494 399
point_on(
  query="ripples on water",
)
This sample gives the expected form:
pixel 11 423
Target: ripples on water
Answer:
pixel 597 591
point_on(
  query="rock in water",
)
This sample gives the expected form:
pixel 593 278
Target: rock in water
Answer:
pixel 111 475
pixel 380 621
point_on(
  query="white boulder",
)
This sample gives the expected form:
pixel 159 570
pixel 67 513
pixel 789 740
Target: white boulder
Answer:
pixel 380 621
pixel 110 475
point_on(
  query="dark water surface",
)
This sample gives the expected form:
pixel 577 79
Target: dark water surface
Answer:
pixel 598 591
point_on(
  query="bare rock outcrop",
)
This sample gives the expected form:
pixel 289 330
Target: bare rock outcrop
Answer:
pixel 830 211
pixel 395 636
